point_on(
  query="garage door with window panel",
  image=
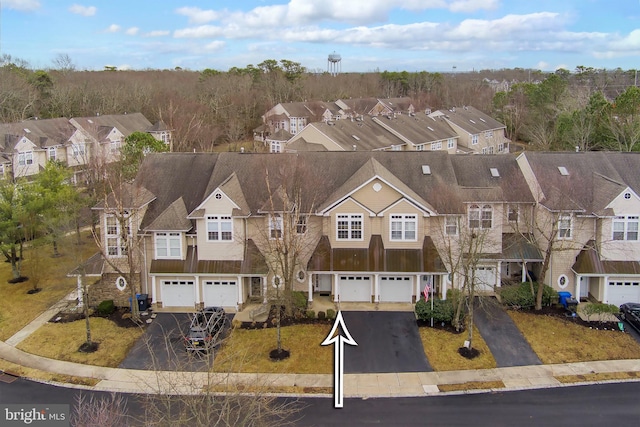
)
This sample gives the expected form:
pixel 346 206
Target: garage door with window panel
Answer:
pixel 485 279
pixel 220 293
pixel 396 289
pixel 621 291
pixel 178 293
pixel 355 288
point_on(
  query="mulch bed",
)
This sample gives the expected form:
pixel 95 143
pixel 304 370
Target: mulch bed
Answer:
pixel 443 326
pixel 297 319
pixel 119 317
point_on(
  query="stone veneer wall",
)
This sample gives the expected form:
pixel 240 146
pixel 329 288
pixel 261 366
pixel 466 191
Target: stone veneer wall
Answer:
pixel 105 289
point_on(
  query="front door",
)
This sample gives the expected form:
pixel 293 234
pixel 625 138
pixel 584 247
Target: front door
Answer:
pixel 256 286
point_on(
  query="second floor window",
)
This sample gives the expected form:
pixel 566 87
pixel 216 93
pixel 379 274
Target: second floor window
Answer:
pixel 349 227
pixel 435 146
pixel 474 139
pixel 168 245
pixel 52 153
pixel 451 225
pixel 301 225
pixel 512 213
pixel 564 227
pixel 117 236
pixel 451 143
pixel 275 226
pixel 219 228
pixel 78 150
pixel 625 228
pixel 480 216
pixel 403 227
pixel 25 158
pixel 276 147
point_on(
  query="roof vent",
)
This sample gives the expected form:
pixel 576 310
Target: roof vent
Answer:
pixel 494 172
pixel 90 121
pixel 563 171
pixel 27 130
pixel 355 137
pixel 426 170
pixel 430 128
pixel 471 120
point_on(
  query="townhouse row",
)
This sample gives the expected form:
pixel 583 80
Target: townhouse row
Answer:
pixel 79 142
pixel 212 229
pixel 371 124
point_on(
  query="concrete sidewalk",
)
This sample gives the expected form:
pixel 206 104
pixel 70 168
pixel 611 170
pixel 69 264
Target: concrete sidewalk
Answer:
pixel 355 385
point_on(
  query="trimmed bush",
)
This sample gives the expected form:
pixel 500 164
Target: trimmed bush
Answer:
pixel 311 314
pixel 322 315
pixel 591 308
pixel 523 295
pixel 442 310
pixel 331 313
pixel 106 307
pixel 299 300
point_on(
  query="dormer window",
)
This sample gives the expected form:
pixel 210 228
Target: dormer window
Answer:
pixel 219 228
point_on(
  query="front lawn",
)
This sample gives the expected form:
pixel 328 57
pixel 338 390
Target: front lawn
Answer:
pixel 248 351
pixel 441 348
pixel 17 308
pixel 558 340
pixel 62 340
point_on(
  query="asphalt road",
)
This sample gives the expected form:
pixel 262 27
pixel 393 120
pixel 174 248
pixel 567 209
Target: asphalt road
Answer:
pixel 504 339
pixel 388 341
pixel 584 406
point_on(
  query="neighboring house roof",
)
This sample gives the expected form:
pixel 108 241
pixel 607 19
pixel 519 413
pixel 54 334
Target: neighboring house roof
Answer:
pixel 279 135
pixel 126 196
pixel 364 135
pixel 43 133
pixel 158 126
pixel 93 266
pixel 125 123
pixel 418 128
pixel 470 119
pixel 301 144
pixel 174 218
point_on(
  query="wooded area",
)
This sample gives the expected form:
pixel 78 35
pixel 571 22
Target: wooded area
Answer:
pixel 585 108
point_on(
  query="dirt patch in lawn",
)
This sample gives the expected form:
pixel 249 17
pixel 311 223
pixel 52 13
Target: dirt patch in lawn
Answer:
pixel 474 385
pixel 598 376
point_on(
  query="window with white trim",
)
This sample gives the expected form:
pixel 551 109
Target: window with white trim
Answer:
pixel 275 226
pixel 115 236
pixel 564 226
pixel 625 228
pixel 451 225
pixel 474 139
pixel 480 216
pixel 114 146
pixel 51 153
pixel 487 150
pixel 451 143
pixel 513 213
pixel 488 134
pixel 500 147
pixel 420 147
pixel 25 158
pixel 168 245
pixel 78 150
pixel 403 227
pixel 349 227
pixel 276 147
pixel 301 225
pixel 435 146
pixel 219 228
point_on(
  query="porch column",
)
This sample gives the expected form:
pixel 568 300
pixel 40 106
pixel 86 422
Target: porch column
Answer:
pixel 499 275
pixel 240 290
pixel 524 271
pixel 263 279
pixel 416 288
pixel 310 279
pixel 443 282
pixel 197 286
pixel 577 295
pixel 376 288
pixel 153 288
pixel 80 293
pixel 605 292
pixel 336 286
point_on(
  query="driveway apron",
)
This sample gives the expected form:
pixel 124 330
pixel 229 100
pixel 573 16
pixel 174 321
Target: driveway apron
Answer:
pixel 388 341
pixel 506 342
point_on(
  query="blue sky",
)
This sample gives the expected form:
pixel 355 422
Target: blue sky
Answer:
pixel 393 35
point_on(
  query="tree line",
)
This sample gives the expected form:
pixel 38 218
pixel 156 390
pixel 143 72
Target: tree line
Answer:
pixel 588 108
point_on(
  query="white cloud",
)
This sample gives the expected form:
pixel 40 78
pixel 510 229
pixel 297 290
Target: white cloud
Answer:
pixel 157 33
pixel 23 5
pixel 132 31
pixel 203 31
pixel 83 10
pixel 113 28
pixel 215 45
pixel 197 15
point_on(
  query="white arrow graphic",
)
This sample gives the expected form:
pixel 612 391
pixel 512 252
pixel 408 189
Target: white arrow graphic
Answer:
pixel 339 339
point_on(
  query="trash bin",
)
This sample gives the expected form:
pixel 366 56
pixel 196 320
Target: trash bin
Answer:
pixel 143 301
pixel 563 297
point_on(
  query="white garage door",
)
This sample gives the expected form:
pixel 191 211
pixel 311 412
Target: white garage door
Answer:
pixel 355 288
pixel 485 279
pixel 396 289
pixel 220 293
pixel 623 291
pixel 178 293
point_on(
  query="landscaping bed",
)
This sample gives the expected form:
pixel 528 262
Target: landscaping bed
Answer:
pixel 121 317
pixel 297 318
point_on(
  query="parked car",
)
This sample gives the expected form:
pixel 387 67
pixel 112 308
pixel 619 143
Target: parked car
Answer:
pixel 206 326
pixel 630 312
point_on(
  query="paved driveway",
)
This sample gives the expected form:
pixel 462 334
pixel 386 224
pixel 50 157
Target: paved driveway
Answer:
pixel 162 346
pixel 506 342
pixel 388 341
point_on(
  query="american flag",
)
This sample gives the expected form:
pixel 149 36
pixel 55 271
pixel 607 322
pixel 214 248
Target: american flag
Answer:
pixel 426 291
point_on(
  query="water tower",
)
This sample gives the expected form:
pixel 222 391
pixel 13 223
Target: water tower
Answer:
pixel 333 64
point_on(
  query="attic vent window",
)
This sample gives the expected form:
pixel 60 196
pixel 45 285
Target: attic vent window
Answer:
pixel 563 171
pixel 494 172
pixel 627 196
pixel 218 196
pixel 355 137
pixel 426 170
